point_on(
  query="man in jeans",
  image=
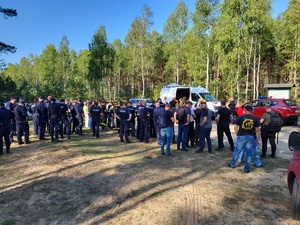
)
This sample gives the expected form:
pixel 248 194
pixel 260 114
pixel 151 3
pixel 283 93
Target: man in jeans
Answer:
pixel 246 128
pixel 182 117
pixel 167 132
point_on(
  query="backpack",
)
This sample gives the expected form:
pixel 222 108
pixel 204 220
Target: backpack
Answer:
pixel 162 120
pixel 276 122
pixel 181 114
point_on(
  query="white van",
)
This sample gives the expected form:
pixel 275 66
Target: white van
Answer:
pixel 191 93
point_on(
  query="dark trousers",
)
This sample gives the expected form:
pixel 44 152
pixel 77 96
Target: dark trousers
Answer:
pixel 138 128
pixel 152 130
pixel 12 130
pixel 54 126
pixel 265 136
pixel 22 128
pixel 205 134
pixel 64 125
pixel 124 129
pixel 157 129
pixel 79 125
pixel 144 130
pixel 183 132
pixel 197 134
pixel 132 126
pixel 191 135
pixel 4 133
pixel 41 127
pixel 95 128
pixel 221 129
pixel 118 124
pixel 35 121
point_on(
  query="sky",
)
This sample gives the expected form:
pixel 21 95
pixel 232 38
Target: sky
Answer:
pixel 43 22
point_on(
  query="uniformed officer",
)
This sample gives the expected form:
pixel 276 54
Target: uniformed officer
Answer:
pixel 131 109
pixel 54 118
pixel 117 107
pixel 47 103
pixel 42 117
pixel 124 115
pixel 64 122
pixel 22 126
pixel 11 106
pixel 95 114
pixel 103 115
pixel 138 121
pixel 35 115
pixel 156 113
pixel 78 107
pixel 151 120
pixel 5 118
pixel 144 114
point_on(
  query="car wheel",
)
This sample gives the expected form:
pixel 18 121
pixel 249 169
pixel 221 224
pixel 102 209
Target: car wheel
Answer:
pixel 296 200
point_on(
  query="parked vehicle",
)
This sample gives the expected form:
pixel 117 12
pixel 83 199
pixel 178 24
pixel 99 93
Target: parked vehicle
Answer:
pixel 136 100
pixel 191 93
pixel 293 175
pixel 286 108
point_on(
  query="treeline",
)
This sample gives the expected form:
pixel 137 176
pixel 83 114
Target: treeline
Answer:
pixel 230 47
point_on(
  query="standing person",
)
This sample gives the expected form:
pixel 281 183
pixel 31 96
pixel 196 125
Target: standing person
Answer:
pixel 64 122
pixel 138 121
pixel 246 128
pixel 173 103
pixel 22 126
pixel 144 114
pixel 47 103
pixel 103 115
pixel 266 133
pixel 95 114
pixel 54 118
pixel 11 106
pixel 223 119
pixel 231 106
pixel 182 117
pixel 131 109
pixel 111 116
pixel 166 130
pixel 156 113
pixel 198 114
pixel 86 114
pixel 5 121
pixel 191 135
pixel 205 128
pixel 117 107
pixel 35 115
pixel 42 118
pixel 124 115
pixel 79 115
pixel 151 120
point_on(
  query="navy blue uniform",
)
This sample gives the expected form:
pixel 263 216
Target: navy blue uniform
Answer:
pixel 10 106
pixel 117 107
pixel 95 114
pixel 64 123
pixel 35 115
pixel 151 121
pixel 22 126
pixel 156 113
pixel 131 109
pixel 123 113
pixel 144 114
pixel 79 114
pixel 53 114
pixel 5 126
pixel 42 118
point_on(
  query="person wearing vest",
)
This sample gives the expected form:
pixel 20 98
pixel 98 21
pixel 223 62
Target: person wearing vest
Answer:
pixel 5 121
pixel 267 134
pixel 22 126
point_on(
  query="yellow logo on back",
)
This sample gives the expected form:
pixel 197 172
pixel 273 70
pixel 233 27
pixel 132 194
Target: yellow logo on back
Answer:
pixel 248 124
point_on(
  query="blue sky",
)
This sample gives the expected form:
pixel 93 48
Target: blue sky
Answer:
pixel 42 22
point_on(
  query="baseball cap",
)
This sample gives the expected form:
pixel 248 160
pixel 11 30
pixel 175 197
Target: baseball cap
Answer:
pixel 21 99
pixel 203 101
pixel 53 100
pixel 249 108
pixel 41 97
pixel 189 102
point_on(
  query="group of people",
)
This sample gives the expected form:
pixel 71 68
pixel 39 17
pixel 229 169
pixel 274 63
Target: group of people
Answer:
pixel 157 121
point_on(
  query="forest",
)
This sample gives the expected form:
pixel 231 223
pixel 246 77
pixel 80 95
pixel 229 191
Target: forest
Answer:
pixel 230 47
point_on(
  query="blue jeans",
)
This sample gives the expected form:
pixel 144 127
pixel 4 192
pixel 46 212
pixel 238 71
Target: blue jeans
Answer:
pixel 183 131
pixel 248 143
pixel 205 134
pixel 166 138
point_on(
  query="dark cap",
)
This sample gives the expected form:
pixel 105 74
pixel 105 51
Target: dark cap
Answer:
pixel 21 99
pixel 41 97
pixel 159 99
pixel 249 108
pixel 1 104
pixel 189 102
pixel 53 100
pixel 223 102
pixel 168 105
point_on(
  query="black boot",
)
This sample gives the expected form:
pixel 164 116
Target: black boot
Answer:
pixel 7 151
pixel 1 152
pixel 69 137
pixel 52 139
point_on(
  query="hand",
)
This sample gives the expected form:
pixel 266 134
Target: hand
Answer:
pixel 258 143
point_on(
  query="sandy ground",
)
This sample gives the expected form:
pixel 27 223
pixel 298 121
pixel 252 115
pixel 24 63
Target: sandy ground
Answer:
pixel 102 181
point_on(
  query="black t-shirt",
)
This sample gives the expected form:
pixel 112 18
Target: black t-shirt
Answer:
pixel 182 113
pixel 224 115
pixel 198 113
pixel 95 112
pixel 169 115
pixel 247 124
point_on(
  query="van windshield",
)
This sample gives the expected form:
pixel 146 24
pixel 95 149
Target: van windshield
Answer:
pixel 207 97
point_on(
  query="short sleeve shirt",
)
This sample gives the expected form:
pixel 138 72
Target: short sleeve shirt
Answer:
pixel 247 124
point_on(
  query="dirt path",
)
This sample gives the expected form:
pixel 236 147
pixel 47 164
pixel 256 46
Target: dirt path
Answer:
pixel 88 181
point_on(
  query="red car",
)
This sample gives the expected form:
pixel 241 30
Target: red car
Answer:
pixel 293 175
pixel 286 108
